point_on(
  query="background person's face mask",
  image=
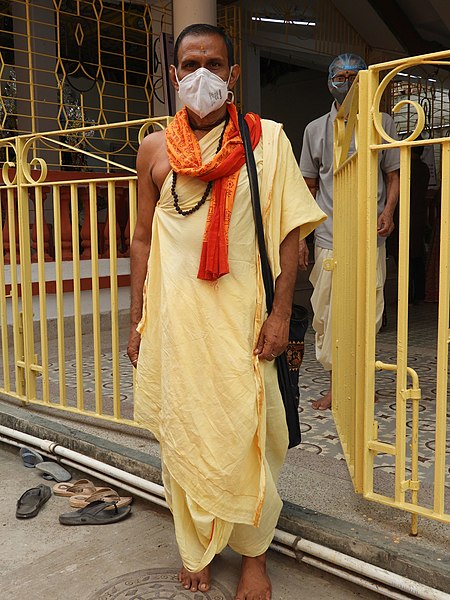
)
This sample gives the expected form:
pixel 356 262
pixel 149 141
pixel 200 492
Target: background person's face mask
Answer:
pixel 202 91
pixel 339 89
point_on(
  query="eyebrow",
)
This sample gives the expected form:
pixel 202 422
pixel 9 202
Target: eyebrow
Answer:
pixel 195 56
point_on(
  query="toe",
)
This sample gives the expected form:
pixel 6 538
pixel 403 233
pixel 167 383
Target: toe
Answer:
pixel 186 581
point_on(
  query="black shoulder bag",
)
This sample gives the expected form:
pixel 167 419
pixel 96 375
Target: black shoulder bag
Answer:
pixel 288 363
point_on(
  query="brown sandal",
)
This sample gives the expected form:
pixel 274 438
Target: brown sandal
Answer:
pixel 104 494
pixel 82 487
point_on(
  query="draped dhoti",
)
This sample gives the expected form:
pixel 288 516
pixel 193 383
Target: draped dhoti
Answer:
pixel 214 407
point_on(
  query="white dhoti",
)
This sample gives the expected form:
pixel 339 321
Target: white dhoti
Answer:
pixel 321 301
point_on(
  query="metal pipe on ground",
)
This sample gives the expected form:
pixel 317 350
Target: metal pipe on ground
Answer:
pixel 332 561
pixel 107 479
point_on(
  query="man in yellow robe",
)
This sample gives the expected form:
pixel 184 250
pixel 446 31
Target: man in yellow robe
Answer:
pixel 200 337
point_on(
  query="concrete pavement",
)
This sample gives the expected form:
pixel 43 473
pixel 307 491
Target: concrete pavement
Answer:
pixel 135 559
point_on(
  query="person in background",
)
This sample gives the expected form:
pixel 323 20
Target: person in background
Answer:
pixel 316 165
pixel 203 345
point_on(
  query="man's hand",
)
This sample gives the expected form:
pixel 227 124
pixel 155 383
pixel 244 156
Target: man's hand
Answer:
pixel 385 224
pixel 303 254
pixel 134 341
pixel 273 338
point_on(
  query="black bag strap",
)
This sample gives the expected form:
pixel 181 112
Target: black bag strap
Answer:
pixel 287 393
pixel 254 190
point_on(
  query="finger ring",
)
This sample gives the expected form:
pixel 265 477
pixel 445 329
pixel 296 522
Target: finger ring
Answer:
pixel 133 362
pixel 273 355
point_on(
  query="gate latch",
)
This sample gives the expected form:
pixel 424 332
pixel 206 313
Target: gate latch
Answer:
pixel 329 264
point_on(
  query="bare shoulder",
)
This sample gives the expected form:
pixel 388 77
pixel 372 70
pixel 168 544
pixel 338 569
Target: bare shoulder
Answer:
pixel 152 161
pixel 153 143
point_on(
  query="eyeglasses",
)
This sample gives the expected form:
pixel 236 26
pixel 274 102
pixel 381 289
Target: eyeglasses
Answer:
pixel 344 78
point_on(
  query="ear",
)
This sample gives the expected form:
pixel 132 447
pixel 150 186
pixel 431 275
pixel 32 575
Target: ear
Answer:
pixel 234 76
pixel 172 75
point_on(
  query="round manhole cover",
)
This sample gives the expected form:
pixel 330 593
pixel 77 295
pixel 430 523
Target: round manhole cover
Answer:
pixel 156 584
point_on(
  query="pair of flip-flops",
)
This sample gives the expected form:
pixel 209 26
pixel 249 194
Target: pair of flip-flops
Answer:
pixel 50 470
pixel 96 505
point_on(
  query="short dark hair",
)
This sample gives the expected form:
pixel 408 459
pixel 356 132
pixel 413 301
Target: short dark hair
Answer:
pixel 204 29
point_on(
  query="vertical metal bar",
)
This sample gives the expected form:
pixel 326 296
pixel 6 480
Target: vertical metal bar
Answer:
pixel 59 295
pixel 95 298
pixel 42 290
pixel 402 323
pixel 351 412
pixel 443 336
pixel 114 296
pixel 415 449
pixel 124 66
pixel 77 294
pixel 3 314
pixel 25 271
pixel 365 264
pixel 30 70
pixel 17 322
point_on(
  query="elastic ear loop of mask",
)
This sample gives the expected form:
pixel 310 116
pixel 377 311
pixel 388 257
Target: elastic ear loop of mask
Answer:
pixel 230 99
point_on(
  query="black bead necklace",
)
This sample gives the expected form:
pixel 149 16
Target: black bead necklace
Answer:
pixel 202 200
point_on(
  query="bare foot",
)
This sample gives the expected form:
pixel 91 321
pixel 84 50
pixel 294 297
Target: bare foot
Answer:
pixel 323 403
pixel 254 583
pixel 195 581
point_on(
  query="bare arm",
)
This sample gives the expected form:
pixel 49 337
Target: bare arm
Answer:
pixel 148 195
pixel 274 335
pixel 303 252
pixel 385 224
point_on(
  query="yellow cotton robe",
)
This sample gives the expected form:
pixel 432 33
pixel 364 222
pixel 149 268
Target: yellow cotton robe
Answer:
pixel 199 388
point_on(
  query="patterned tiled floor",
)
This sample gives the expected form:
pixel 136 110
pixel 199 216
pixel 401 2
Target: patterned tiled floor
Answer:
pixel 319 432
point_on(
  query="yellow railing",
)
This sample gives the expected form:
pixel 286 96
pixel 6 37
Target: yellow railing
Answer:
pixel 76 286
pixel 354 285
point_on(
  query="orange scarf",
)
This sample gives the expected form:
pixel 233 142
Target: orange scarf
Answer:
pixel 185 157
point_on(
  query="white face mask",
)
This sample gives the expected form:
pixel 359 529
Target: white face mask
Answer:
pixel 203 92
pixel 339 90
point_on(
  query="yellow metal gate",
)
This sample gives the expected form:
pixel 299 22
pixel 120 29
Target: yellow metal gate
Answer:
pixel 64 261
pixel 354 287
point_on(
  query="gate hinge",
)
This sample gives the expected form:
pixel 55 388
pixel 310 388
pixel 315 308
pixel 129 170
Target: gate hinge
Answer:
pixel 410 485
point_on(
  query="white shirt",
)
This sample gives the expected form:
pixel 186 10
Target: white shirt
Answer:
pixel 316 161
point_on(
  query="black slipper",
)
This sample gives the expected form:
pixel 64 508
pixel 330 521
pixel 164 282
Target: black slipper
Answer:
pixel 95 513
pixel 31 501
